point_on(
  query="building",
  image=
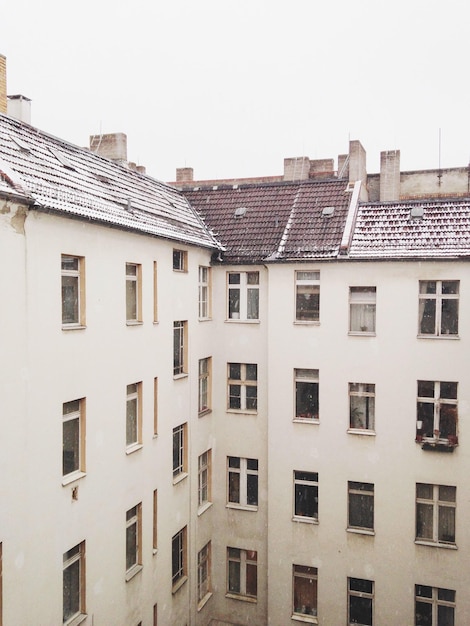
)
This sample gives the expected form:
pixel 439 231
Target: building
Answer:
pixel 236 402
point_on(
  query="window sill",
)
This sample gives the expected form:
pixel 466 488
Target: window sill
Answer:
pixel 361 531
pixel 361 431
pixel 78 619
pixel 133 448
pixel 204 600
pixel 205 319
pixel 204 412
pixel 73 327
pixel 178 584
pixel 307 322
pixel 438 337
pixel 310 619
pixel 203 508
pixel 134 322
pixel 70 478
pixel 180 477
pixel 234 596
pixel 241 507
pixel 231 320
pixel 359 333
pixel 437 445
pixel 242 412
pixel 179 376
pixel 306 420
pixel 431 544
pixel 305 520
pixel 133 571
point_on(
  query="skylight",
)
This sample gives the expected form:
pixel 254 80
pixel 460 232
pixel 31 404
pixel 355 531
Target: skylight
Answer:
pixel 416 212
pixel 240 212
pixel 328 211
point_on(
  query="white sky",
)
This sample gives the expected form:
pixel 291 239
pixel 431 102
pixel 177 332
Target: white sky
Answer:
pixel 231 88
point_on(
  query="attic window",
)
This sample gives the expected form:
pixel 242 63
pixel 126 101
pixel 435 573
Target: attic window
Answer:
pixel 62 159
pixel 240 212
pixel 328 211
pixel 416 212
pixel 22 145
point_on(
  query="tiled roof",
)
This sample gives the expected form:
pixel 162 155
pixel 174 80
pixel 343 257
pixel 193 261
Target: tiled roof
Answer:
pixel 437 229
pixel 58 176
pixel 275 221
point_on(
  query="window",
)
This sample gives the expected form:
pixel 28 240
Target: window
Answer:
pixel 204 478
pixel 179 559
pixel 204 292
pixel 306 495
pixel 243 386
pixel 362 310
pixel 438 307
pixel 307 296
pixel 73 583
pixel 204 572
pixel 179 348
pixel 242 572
pixel 434 606
pixel 155 615
pixel 437 412
pixel 73 291
pixel 133 539
pixel 180 260
pixel 73 437
pixel 179 451
pixel 305 590
pixel 361 406
pixel 361 506
pixel 435 513
pixel 155 521
pixel 134 415
pixel 306 394
pixel 360 601
pixel 155 407
pixel 133 292
pixel 155 292
pixel 243 295
pixel 204 398
pixel 242 478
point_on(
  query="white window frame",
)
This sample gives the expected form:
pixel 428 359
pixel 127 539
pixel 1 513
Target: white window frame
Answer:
pixel 363 494
pixel 362 310
pixel 204 289
pixel 204 480
pixel 179 566
pixel 238 481
pixel 355 595
pixel 301 573
pixel 74 412
pixel 438 300
pixel 434 600
pixel 133 540
pixel 362 394
pixel 133 293
pixel 180 340
pixel 307 286
pixel 310 377
pixel 73 276
pixel 205 385
pixel 180 453
pixel 243 559
pixel 305 482
pixel 245 381
pixel 204 578
pixel 240 294
pixel 133 416
pixel 442 409
pixel 71 558
pixel 435 504
pixel 180 260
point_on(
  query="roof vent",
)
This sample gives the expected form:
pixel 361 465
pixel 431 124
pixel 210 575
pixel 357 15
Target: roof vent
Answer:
pixel 240 212
pixel 22 145
pixel 62 159
pixel 417 212
pixel 328 211
pixel 129 207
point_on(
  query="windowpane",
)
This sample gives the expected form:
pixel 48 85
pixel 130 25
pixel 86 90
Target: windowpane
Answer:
pixel 362 309
pixel 307 305
pixel 305 590
pixel 361 505
pixel 446 524
pixel 243 295
pixel 362 406
pixel 252 489
pixel 71 446
pixel 234 577
pixel 251 580
pixel 306 394
pixel 234 487
pixel 439 307
pixel 70 300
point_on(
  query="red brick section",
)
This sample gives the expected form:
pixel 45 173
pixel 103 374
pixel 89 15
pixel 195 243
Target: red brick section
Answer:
pixel 3 84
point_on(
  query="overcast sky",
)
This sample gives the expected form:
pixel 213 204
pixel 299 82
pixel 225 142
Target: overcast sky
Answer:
pixel 231 88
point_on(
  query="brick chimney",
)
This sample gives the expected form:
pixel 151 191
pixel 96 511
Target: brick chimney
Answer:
pixel 389 175
pixel 296 168
pixel 19 107
pixel 357 162
pixel 111 146
pixel 184 174
pixel 3 84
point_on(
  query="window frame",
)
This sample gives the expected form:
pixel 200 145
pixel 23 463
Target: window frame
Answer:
pixel 239 300
pixel 299 574
pixel 242 483
pixel 435 603
pixel 155 406
pixel 204 484
pixel 204 386
pixel 308 378
pixel 305 482
pixel 133 541
pixel 155 522
pixel 78 416
pixel 179 559
pixel 68 562
pixel 180 260
pixel 437 301
pixel 245 382
pixel 204 574
pixel 242 587
pixel 357 596
pixel 204 292
pixel 436 504
pixel 180 452
pixel 155 292
pixel 445 413
pixel 364 391
pixel 362 493
pixel 78 319
pixel 306 288
pixel 134 422
pixel 366 307
pixel 180 348
pixel 133 292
